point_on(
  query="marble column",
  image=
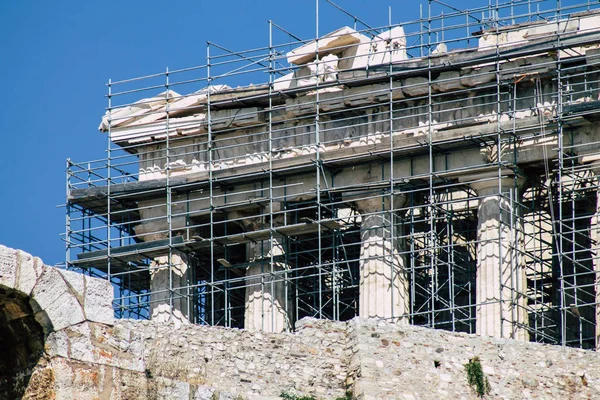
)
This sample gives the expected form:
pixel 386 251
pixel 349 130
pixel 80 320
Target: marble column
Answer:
pixel 501 282
pixel 594 165
pixel 167 305
pixel 384 288
pixel 266 288
pixel 595 239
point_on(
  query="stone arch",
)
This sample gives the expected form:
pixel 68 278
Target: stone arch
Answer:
pixel 21 342
pixel 35 301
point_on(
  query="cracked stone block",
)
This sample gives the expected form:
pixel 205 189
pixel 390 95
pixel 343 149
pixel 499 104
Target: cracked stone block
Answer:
pixel 64 312
pixel 97 303
pixel 478 76
pixel 448 81
pixel 55 298
pixel 57 344
pixel 8 261
pixel 19 270
pixel 48 289
pixel 80 344
pixel 28 271
pixel 417 86
pixel 76 283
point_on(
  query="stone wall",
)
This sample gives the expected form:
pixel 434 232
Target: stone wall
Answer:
pixel 142 359
pixel 407 362
pixel 373 360
pixel 68 347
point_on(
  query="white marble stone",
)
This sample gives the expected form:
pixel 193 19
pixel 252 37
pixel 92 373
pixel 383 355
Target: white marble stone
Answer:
pixel 383 291
pixel 8 261
pixel 171 297
pixel 500 282
pixel 97 302
pixel 266 300
pixel 594 165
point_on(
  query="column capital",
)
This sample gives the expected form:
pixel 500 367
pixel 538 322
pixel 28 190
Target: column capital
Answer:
pixel 490 184
pixel 379 203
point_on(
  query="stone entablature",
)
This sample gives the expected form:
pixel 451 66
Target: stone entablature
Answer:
pixel 354 107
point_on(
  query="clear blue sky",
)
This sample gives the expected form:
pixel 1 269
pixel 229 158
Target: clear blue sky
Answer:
pixel 56 57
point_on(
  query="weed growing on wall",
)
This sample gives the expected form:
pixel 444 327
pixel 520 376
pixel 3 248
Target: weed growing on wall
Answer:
pixel 476 377
pixel 291 396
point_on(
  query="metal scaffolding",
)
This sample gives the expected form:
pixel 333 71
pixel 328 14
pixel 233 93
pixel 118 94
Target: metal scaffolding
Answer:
pixel 444 175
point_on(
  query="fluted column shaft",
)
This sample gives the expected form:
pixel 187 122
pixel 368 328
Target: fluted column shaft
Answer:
pixel 594 165
pixel 595 239
pixel 384 288
pixel 266 305
pixel 170 305
pixel 501 281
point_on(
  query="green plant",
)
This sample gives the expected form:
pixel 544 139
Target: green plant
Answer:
pixel 348 396
pixel 291 396
pixel 476 377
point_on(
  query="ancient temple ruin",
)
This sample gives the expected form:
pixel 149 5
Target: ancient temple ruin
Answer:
pixel 441 172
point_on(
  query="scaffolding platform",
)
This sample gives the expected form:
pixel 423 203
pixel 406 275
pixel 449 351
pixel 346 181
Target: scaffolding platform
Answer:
pixel 441 171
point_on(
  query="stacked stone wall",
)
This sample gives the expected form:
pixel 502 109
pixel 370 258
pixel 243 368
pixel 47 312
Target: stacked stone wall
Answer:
pixel 88 355
pixel 324 359
pixel 407 362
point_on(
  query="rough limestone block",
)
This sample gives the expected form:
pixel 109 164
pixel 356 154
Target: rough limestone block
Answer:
pixel 42 318
pixel 64 312
pixel 80 344
pixel 19 270
pixel 448 81
pixel 29 269
pixel 136 350
pixel 73 382
pixel 47 290
pixel 204 392
pixel 171 389
pixel 8 262
pixel 417 86
pixel 54 297
pixel 76 283
pixel 97 303
pixel 57 344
